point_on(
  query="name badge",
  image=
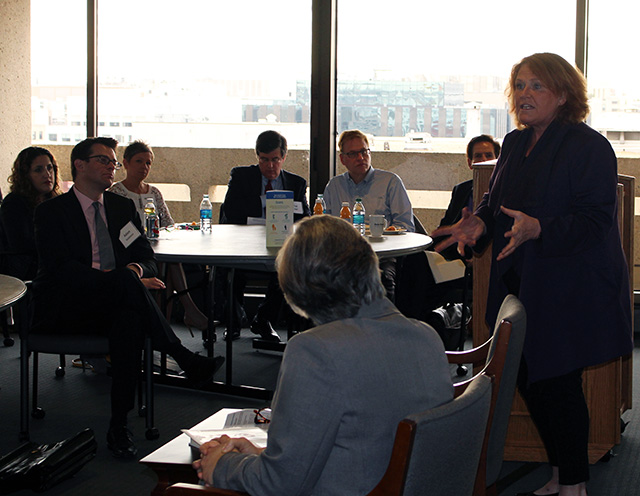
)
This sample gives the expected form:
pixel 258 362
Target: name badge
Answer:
pixel 128 234
pixel 297 207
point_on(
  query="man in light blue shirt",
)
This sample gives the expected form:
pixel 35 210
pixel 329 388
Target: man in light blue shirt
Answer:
pixel 382 193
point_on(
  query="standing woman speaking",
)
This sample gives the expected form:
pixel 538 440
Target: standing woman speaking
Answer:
pixel 551 212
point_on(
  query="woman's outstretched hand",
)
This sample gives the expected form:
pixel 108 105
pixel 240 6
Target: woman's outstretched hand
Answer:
pixel 524 228
pixel 465 232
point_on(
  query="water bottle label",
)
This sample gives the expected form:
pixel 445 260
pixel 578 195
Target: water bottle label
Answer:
pixel 358 219
pixel 205 214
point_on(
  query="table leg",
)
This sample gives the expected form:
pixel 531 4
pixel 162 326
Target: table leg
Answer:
pixel 228 379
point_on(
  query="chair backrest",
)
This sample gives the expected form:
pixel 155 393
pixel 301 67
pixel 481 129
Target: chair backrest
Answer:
pixel 501 356
pixel 511 312
pixel 420 229
pixel 437 451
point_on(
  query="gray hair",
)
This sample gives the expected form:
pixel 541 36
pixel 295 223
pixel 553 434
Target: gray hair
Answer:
pixel 327 270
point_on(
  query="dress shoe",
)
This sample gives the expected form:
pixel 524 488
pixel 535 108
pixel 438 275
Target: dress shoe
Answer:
pixel 200 369
pixel 264 329
pixel 235 334
pixel 119 441
pixel 532 493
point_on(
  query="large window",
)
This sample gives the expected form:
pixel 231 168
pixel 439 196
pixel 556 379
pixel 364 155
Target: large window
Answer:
pixel 195 73
pixel 430 75
pixel 58 71
pixel 412 74
pixel 613 74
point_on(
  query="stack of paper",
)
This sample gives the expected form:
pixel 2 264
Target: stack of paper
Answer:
pixel 444 270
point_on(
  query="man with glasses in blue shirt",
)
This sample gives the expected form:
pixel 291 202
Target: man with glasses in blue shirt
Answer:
pixel 382 193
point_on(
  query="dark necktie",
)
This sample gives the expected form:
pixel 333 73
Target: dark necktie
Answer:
pixel 105 248
pixel 268 187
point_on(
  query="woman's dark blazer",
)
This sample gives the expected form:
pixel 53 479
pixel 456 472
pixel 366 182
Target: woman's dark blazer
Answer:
pixel 18 257
pixel 573 280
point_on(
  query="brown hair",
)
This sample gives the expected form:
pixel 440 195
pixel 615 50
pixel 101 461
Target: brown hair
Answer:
pixel 561 78
pixel 136 147
pixel 21 182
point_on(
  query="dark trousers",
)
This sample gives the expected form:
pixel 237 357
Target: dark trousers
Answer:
pixel 388 269
pixel 559 411
pixel 122 309
pixel 268 310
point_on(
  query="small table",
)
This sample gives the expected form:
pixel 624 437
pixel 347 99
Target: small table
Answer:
pixel 172 461
pixel 244 247
pixel 11 291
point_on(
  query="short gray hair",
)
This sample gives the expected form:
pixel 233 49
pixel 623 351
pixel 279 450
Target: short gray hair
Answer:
pixel 327 270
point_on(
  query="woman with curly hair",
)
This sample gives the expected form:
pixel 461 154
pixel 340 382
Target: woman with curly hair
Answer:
pixel 34 179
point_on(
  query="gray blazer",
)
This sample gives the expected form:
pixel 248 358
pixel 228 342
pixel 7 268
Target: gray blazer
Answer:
pixel 342 389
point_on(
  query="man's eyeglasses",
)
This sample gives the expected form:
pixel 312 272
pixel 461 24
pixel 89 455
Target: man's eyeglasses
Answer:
pixel 364 152
pixel 266 160
pixel 104 160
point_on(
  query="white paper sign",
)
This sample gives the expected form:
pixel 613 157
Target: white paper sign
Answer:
pixel 128 234
pixel 279 217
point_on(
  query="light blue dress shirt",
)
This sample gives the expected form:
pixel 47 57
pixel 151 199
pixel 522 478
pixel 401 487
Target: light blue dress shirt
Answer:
pixel 382 193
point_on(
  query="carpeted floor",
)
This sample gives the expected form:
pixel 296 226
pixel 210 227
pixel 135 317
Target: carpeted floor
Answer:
pixel 81 399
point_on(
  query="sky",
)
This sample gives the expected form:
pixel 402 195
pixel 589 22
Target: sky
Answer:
pixel 254 39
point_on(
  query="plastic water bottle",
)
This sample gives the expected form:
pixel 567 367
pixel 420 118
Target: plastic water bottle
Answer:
pixel 319 207
pixel 151 225
pixel 358 216
pixel 345 212
pixel 205 214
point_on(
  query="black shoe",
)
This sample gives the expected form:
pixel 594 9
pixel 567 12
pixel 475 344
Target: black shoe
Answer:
pixel 265 330
pixel 234 334
pixel 119 441
pixel 200 369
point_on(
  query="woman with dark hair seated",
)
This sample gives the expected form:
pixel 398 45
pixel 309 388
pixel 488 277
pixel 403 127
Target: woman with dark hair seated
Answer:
pixel 343 385
pixel 34 179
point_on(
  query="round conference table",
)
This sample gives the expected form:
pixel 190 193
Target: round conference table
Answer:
pixel 244 247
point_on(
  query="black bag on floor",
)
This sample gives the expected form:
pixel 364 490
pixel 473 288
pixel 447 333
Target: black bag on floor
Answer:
pixel 447 321
pixel 39 467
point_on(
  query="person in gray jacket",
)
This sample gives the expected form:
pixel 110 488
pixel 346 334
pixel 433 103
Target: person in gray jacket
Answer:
pixel 343 385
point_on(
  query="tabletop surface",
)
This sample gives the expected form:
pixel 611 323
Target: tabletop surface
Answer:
pixel 11 290
pixel 178 451
pixel 245 246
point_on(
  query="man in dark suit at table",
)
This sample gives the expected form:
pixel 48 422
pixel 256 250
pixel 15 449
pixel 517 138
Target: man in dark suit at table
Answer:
pixel 92 257
pixel 482 148
pixel 419 294
pixel 245 200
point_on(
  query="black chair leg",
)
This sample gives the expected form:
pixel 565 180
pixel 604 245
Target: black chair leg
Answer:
pixel 36 411
pixel 4 316
pixel 151 432
pixel 24 390
pixel 60 371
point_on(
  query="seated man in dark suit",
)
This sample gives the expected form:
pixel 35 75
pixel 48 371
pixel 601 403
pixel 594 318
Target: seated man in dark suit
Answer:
pixel 246 198
pixel 92 256
pixel 480 149
pixel 419 294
